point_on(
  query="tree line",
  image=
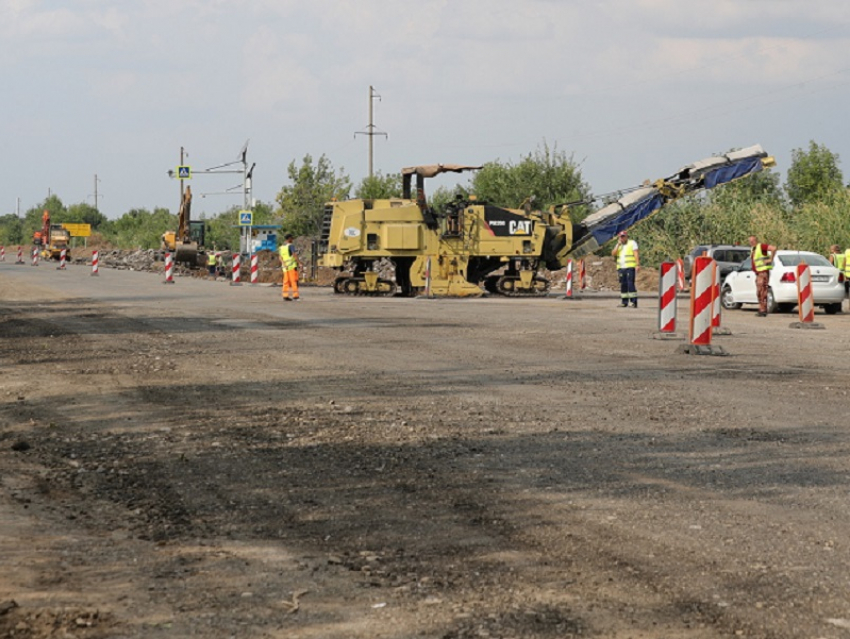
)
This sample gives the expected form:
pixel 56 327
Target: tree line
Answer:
pixel 808 212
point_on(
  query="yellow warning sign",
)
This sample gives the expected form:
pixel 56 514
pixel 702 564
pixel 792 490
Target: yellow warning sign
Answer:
pixel 78 230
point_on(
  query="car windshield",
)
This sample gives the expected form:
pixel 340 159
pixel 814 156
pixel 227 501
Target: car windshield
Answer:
pixel 812 259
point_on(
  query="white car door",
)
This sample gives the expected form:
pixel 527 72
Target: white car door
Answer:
pixel 743 285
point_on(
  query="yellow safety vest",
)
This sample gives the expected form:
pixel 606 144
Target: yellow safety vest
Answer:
pixel 760 260
pixel 287 259
pixel 839 260
pixel 626 255
pixel 211 259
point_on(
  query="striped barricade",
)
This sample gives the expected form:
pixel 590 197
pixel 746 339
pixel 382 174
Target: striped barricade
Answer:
pixel 169 269
pixel 237 275
pixel 805 298
pixel 667 301
pixel 702 304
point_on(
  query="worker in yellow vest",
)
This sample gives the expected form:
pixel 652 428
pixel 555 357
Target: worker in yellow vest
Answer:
pixel 846 271
pixel 628 263
pixel 762 256
pixel 211 264
pixel 289 262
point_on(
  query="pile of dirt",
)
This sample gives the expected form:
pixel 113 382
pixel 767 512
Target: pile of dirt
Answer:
pixel 601 275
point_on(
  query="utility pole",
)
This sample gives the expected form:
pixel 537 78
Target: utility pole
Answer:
pixel 96 207
pixel 371 131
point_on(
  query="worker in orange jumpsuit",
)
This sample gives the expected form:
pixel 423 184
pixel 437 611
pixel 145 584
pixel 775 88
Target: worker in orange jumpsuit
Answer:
pixel 289 263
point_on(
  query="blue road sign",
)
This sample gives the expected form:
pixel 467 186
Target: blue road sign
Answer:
pixel 246 218
pixel 184 172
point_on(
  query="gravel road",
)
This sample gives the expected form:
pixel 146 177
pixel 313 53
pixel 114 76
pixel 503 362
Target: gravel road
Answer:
pixel 203 460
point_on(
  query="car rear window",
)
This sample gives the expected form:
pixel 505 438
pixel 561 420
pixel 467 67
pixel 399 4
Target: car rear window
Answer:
pixel 812 259
pixel 732 255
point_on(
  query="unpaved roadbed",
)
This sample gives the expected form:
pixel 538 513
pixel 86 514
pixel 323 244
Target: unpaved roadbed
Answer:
pixel 203 460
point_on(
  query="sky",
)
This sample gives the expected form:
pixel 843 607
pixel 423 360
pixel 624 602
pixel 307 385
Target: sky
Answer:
pixel 630 89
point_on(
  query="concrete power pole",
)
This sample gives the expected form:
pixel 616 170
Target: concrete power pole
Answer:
pixel 371 130
pixel 96 206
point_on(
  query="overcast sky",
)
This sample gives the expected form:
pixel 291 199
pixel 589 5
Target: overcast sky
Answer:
pixel 632 89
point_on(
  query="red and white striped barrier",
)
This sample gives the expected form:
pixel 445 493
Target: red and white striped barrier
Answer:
pixel 255 268
pixel 237 275
pixel 34 256
pixel 702 301
pixel 805 297
pixel 61 266
pixel 568 284
pixel 20 255
pixel 715 306
pixel 667 297
pixel 680 273
pixel 169 269
pixel 2 253
pixel 94 262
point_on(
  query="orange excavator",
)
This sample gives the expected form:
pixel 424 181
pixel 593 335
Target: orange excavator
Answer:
pixel 52 238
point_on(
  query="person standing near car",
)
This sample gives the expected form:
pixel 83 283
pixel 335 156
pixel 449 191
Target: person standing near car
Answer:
pixel 762 256
pixel 628 263
pixel 838 259
pixel 846 271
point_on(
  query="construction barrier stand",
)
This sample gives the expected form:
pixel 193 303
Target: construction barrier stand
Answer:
pixel 169 268
pixel 568 283
pixel 237 276
pixel 702 300
pixel 805 297
pixel 680 273
pixel 667 298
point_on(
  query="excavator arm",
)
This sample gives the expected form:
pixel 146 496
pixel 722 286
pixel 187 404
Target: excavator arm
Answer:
pixel 603 225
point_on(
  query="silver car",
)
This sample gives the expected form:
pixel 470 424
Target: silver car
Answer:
pixel 739 287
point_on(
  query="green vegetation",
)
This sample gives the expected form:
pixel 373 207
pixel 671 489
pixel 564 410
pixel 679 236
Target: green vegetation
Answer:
pixel 810 212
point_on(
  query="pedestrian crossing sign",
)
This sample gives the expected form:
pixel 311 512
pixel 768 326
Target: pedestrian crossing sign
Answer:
pixel 184 172
pixel 246 218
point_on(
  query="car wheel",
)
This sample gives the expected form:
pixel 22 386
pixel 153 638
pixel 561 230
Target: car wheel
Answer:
pixel 832 309
pixel 727 301
pixel 772 306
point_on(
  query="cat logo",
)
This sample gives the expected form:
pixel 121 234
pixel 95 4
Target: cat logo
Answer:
pixel 520 227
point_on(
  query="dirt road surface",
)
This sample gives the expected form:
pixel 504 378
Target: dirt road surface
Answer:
pixel 204 460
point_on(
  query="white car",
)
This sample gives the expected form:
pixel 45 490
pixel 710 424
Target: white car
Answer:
pixel 739 287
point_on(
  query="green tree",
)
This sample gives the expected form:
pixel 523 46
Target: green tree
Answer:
pixel 548 175
pixel 301 204
pixel 379 187
pixel 813 175
pixel 84 214
pixel 11 230
pixel 140 228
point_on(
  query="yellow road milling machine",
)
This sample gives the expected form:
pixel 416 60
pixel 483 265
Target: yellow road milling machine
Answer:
pixel 469 247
